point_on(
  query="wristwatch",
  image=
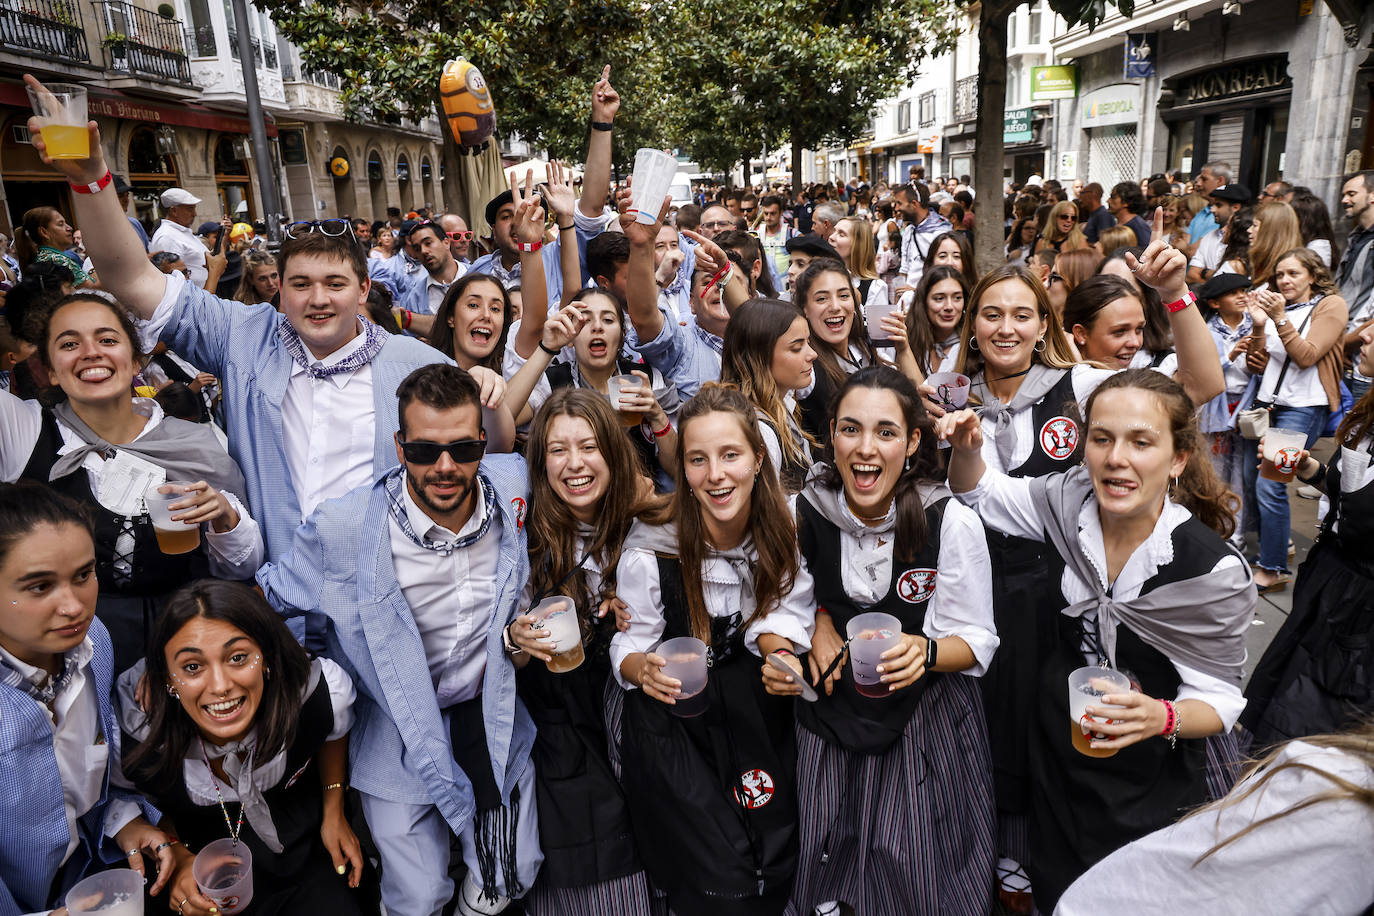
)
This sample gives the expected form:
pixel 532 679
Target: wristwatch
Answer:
pixel 1280 322
pixel 506 642
pixel 932 652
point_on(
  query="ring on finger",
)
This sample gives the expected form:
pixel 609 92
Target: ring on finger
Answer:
pixel 132 852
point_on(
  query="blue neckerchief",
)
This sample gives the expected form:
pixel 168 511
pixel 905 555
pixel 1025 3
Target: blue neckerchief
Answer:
pixel 395 482
pixel 1231 336
pixel 50 688
pixel 711 340
pixel 291 339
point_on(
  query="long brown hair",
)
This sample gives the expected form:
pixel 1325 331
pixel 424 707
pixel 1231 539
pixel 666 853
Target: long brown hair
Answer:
pixel 746 361
pixel 770 521
pixel 442 337
pixel 1068 241
pixel 27 242
pixel 552 527
pixel 1199 489
pixel 1278 234
pixel 966 262
pixel 858 333
pixel 1056 354
pixel 1316 269
pixel 920 334
pixel 252 261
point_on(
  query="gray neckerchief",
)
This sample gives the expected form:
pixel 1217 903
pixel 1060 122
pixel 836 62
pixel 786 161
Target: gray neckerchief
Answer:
pixel 1199 622
pixel 187 451
pixel 663 539
pixel 834 508
pixel 1036 385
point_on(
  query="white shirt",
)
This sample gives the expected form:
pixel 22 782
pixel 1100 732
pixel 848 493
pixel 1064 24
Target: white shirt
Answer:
pixel 1085 381
pixel 1322 248
pixel 637 585
pixel 1209 251
pixel 962 602
pixel 1143 358
pixel 1005 504
pixel 81 749
pixel 172 236
pixel 438 289
pixel 233 554
pixel 1301 387
pixel 451 597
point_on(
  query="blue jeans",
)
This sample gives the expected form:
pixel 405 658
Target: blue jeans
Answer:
pixel 1272 496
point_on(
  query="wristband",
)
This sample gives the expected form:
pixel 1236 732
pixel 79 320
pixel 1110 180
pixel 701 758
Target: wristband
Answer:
pixel 547 350
pixel 562 228
pixel 507 643
pixel 1318 476
pixel 95 187
pixel 784 652
pixel 1179 305
pixel 603 126
pixel 529 246
pixel 721 276
pixel 821 610
pixel 660 433
pixel 409 315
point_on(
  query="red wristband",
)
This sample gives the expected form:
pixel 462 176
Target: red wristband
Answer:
pixel 95 187
pixel 660 433
pixel 409 317
pixel 1179 305
pixel 1168 717
pixel 529 246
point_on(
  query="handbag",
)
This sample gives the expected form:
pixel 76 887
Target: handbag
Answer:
pixel 1254 422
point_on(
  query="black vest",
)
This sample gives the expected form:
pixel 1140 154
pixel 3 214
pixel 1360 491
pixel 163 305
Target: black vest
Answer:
pixel 1355 512
pixel 560 376
pixel 815 407
pixel 153 572
pixel 846 718
pixel 1056 432
pixel 296 801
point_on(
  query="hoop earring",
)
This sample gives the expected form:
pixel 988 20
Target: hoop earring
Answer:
pixel 973 343
pixel 1039 346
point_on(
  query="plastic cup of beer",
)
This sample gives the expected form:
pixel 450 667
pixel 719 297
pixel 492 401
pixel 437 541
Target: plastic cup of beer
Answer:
pixel 1086 688
pixel 172 536
pixel 61 112
pixel 118 892
pixel 557 616
pixel 686 660
pixel 649 183
pixel 870 635
pixel 224 873
pixel 1282 448
pixel 615 386
pixel 951 389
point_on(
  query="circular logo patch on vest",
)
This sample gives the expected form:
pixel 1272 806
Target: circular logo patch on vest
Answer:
pixel 755 789
pixel 916 585
pixel 1059 437
pixel 517 506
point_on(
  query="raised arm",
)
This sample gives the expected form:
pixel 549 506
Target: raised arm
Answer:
pixel 111 242
pixel 558 332
pixel 1164 268
pixel 596 178
pixel 641 289
pixel 712 257
pixel 527 228
pixel 561 202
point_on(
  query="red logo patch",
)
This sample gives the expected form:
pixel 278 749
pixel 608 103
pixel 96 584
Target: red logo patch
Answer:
pixel 916 585
pixel 517 506
pixel 755 789
pixel 1059 437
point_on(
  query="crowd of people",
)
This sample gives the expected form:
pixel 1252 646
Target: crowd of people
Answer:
pixel 298 534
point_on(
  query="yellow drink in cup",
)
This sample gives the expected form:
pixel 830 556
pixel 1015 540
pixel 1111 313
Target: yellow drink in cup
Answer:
pixel 60 109
pixel 64 141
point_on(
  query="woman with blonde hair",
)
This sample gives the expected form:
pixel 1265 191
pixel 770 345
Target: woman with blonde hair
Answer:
pixel 1274 233
pixel 1114 238
pixel 261 280
pixel 1061 229
pixel 853 241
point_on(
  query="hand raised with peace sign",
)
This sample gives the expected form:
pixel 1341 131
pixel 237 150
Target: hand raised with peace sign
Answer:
pixel 527 226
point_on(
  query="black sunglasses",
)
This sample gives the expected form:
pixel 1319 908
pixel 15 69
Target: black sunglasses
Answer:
pixel 463 451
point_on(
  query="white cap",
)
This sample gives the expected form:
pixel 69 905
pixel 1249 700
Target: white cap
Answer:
pixel 176 197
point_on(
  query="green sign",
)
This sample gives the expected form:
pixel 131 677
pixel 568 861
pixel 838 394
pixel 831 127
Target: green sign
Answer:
pixel 1057 82
pixel 1016 126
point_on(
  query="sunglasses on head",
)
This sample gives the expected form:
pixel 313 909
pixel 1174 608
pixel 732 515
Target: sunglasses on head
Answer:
pixel 330 227
pixel 463 451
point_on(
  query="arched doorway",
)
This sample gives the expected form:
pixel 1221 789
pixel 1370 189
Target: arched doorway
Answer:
pixel 376 183
pixel 150 172
pixel 403 185
pixel 341 170
pixel 427 180
pixel 231 179
pixel 28 182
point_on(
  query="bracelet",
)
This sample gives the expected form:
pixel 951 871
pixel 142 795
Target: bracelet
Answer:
pixel 821 610
pixel 1179 305
pixel 784 652
pixel 409 316
pixel 529 247
pixel 1168 718
pixel 932 652
pixel 332 786
pixel 508 643
pixel 1173 721
pixel 1318 476
pixel 95 187
pixel 547 350
pixel 562 228
pixel 721 276
pixel 603 125
pixel 660 433
pixel 171 841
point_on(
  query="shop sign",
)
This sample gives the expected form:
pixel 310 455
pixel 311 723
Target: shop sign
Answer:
pixel 338 166
pixel 1119 104
pixel 1068 166
pixel 1056 82
pixel 1252 77
pixel 1016 126
pixel 1140 56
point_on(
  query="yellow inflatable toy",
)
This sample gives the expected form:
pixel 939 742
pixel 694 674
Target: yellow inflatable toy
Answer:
pixel 241 231
pixel 467 105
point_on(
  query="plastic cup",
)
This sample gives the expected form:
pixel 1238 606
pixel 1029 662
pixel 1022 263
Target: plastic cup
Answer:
pixel 61 114
pixel 118 892
pixel 558 615
pixel 870 635
pixel 1281 450
pixel 614 386
pixel 874 313
pixel 1086 687
pixel 172 536
pixel 951 389
pixel 649 183
pixel 224 873
pixel 686 661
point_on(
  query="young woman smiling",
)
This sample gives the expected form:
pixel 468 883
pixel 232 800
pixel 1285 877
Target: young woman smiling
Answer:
pixel 1061 231
pixel 90 346
pixel 1156 337
pixel 261 279
pixel 237 712
pixel 880 780
pixel 587 490
pixel 1106 320
pixel 1302 327
pixel 953 249
pixel 826 297
pixel 933 322
pixel 64 814
pixel 853 241
pixel 768 355
pixel 712 798
pixel 1142 581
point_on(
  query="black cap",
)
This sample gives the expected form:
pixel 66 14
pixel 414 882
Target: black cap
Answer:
pixel 1221 284
pixel 495 205
pixel 208 227
pixel 408 225
pixel 813 245
pixel 1234 193
pixel 122 185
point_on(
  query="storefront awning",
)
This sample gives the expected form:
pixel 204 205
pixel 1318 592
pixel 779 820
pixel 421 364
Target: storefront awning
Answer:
pixel 114 104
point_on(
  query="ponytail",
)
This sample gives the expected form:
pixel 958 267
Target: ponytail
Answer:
pixel 26 241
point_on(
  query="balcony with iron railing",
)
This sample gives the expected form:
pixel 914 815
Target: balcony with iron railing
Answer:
pixel 48 28
pixel 966 99
pixel 143 43
pixel 263 55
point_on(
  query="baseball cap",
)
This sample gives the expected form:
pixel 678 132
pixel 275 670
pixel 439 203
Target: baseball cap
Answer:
pixel 1221 284
pixel 208 227
pixel 496 203
pixel 1234 193
pixel 813 245
pixel 176 197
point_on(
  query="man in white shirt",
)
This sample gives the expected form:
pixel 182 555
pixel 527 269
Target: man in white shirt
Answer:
pixel 442 270
pixel 1225 201
pixel 179 214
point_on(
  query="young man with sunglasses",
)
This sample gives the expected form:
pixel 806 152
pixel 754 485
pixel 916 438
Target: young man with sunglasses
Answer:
pixel 307 392
pixel 418 575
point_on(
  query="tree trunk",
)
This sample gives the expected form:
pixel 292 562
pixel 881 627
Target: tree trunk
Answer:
pixel 796 160
pixel 988 150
